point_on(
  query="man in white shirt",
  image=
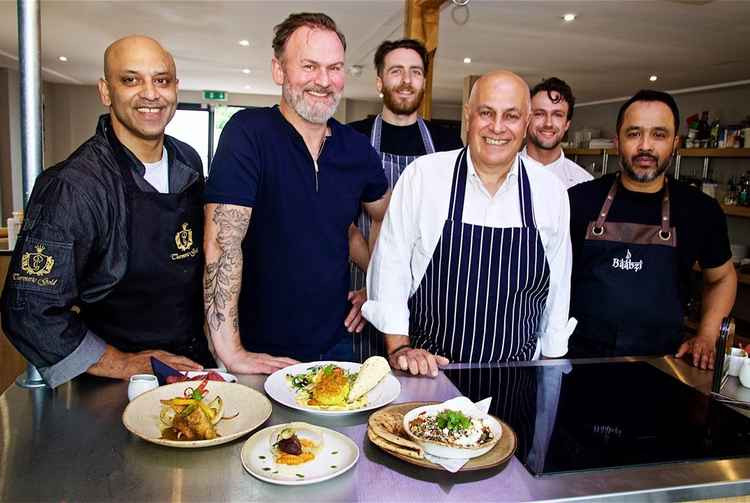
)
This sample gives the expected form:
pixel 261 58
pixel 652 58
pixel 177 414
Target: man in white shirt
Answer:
pixel 473 260
pixel 552 103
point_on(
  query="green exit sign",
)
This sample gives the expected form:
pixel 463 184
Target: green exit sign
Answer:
pixel 215 95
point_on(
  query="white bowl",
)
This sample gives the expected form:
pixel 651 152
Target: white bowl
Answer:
pixel 744 374
pixel 443 450
pixel 735 360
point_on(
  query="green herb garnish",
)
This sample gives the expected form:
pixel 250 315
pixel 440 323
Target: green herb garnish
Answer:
pixel 300 475
pixel 454 420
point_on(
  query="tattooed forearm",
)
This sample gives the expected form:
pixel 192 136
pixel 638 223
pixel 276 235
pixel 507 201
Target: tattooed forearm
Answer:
pixel 225 229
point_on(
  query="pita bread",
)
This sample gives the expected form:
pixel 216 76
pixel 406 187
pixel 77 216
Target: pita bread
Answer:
pixel 388 428
pixel 384 444
pixel 373 370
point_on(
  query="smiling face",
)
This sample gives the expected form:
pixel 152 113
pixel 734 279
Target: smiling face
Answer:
pixel 549 120
pixel 311 73
pixel 646 140
pixel 497 115
pixel 140 89
pixel 402 82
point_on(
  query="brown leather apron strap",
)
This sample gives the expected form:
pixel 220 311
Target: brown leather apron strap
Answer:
pixel 665 232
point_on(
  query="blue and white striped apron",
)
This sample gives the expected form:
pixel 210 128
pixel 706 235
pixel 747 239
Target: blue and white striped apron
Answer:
pixel 485 288
pixel 370 341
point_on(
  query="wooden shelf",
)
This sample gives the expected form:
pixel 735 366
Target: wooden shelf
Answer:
pixel 736 211
pixel 714 152
pixel 590 151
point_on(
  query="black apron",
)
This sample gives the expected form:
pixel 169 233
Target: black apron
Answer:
pixel 158 304
pixel 625 294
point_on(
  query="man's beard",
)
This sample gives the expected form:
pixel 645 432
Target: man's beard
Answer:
pixel 317 113
pixel 402 107
pixel 551 144
pixel 646 175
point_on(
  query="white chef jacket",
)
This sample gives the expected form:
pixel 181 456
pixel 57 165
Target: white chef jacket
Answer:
pixel 414 223
pixel 566 170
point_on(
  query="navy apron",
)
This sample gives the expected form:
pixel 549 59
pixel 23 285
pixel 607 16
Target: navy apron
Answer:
pixel 158 304
pixel 626 294
pixel 485 288
pixel 370 342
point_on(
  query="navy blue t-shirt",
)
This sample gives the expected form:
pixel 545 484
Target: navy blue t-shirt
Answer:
pixel 295 275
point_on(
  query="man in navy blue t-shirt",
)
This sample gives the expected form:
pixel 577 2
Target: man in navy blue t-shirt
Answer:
pixel 277 283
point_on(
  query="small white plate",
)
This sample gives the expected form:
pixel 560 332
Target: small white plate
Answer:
pixel 277 388
pixel 224 375
pixel 339 453
pixel 141 416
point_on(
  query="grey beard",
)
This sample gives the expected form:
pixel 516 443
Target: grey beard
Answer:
pixel 649 176
pixel 307 112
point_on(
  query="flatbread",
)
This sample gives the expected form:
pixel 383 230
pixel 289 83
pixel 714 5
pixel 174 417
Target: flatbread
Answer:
pixel 388 429
pixel 392 447
pixel 373 370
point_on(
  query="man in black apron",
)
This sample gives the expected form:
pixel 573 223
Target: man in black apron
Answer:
pixel 473 259
pixel 399 135
pixel 116 230
pixel 636 235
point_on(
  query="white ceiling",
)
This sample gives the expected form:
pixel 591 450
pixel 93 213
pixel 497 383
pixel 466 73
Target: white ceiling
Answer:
pixel 609 51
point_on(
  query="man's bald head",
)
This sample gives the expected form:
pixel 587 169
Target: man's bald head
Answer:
pixel 503 79
pixel 140 89
pixel 121 49
pixel 497 114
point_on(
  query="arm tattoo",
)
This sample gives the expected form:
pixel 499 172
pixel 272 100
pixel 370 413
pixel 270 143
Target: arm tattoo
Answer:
pixel 223 278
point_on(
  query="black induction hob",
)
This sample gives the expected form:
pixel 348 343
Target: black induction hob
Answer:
pixel 605 415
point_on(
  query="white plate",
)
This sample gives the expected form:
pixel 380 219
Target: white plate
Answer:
pixel 224 375
pixel 141 416
pixel 277 388
pixel 339 453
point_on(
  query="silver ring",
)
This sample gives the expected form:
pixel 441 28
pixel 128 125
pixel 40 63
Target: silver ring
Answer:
pixel 665 236
pixel 600 230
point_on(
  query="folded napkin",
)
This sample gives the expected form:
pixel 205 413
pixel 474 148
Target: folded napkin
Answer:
pixel 162 371
pixel 453 465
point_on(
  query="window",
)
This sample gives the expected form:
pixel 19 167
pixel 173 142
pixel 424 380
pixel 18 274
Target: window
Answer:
pixel 191 124
pixel 221 116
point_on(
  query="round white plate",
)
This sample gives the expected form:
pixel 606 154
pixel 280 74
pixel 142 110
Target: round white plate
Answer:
pixel 224 375
pixel 277 388
pixel 339 453
pixel 141 416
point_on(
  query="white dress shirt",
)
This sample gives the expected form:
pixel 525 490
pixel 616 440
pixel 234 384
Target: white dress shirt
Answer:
pixel 566 170
pixel 414 223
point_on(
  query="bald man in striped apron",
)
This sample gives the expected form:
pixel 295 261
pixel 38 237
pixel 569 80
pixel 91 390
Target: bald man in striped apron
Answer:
pixel 473 260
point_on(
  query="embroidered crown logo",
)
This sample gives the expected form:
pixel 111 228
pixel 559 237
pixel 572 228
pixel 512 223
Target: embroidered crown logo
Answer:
pixel 184 238
pixel 627 263
pixel 37 264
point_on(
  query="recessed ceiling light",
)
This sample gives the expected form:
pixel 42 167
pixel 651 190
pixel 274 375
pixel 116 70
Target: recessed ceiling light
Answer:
pixel 246 71
pixel 653 78
pixel 244 43
pixel 467 60
pixel 63 59
pixel 247 86
pixel 569 17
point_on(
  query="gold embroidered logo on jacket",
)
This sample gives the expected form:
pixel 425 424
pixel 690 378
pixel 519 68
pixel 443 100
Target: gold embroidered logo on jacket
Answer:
pixel 37 264
pixel 184 238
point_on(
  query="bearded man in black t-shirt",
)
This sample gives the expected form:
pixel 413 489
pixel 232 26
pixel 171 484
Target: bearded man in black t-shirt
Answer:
pixel 399 135
pixel 636 235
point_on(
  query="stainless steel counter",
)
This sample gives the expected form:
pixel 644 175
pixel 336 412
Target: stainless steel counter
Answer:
pixel 70 445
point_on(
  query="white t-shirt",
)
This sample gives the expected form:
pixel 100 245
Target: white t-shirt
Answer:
pixel 566 170
pixel 157 173
pixel 413 226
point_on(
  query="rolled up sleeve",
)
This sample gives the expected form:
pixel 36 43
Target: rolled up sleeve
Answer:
pixel 553 333
pixel 389 276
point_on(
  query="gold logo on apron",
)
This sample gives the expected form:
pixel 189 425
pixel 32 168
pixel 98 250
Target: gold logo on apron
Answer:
pixel 37 264
pixel 184 238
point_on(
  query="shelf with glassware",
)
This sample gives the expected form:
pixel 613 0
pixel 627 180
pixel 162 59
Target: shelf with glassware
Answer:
pixel 706 153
